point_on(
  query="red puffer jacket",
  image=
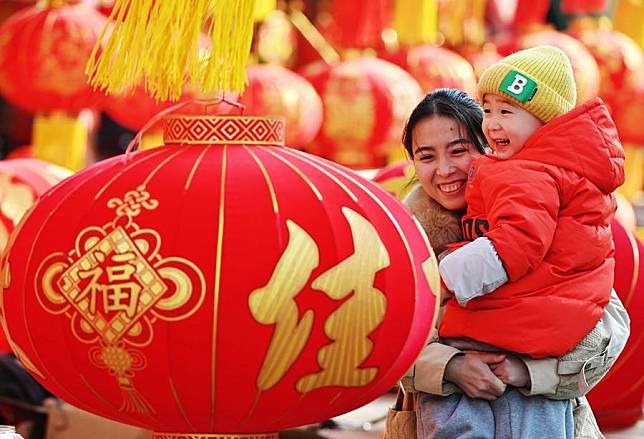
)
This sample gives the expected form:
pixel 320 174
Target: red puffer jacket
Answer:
pixel 547 211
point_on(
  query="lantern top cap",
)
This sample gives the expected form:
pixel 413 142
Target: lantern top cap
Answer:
pixel 226 130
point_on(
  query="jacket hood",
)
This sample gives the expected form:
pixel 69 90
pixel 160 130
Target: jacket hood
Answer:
pixel 584 141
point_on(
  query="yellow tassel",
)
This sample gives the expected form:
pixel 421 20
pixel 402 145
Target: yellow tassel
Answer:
pixel 156 42
pixel 60 139
pixel 415 21
pixel 263 8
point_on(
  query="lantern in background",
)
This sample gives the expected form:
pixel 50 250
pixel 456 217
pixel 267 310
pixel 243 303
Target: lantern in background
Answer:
pixel 366 102
pixel 306 284
pixel 22 182
pixel 276 91
pixel 617 399
pixel 436 67
pixel 397 178
pixel 583 64
pixel 481 59
pixel 58 42
pixel 43 52
pixel 628 113
pixel 620 61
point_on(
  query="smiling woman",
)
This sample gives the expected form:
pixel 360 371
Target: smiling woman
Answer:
pixel 464 388
pixel 442 137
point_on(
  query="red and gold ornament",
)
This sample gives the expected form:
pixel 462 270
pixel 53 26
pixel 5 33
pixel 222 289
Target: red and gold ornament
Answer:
pixel 436 67
pixel 290 289
pixel 273 90
pixel 617 398
pixel 43 52
pixel 365 102
pixel 620 61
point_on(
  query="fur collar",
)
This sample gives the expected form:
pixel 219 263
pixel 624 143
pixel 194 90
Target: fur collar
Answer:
pixel 442 226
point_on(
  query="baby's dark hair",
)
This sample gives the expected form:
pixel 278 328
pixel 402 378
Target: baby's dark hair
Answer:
pixel 453 103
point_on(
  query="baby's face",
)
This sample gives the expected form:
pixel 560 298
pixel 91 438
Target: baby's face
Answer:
pixel 507 126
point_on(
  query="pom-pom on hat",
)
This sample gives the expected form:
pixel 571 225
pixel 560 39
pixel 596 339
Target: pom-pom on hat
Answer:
pixel 539 79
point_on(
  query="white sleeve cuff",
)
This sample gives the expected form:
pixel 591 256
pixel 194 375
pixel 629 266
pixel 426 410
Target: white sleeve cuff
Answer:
pixel 618 323
pixel 473 270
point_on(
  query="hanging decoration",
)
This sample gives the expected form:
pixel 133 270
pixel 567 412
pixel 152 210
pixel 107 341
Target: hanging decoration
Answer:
pixel 276 91
pixel 415 21
pixel 301 313
pixel 359 25
pixel 436 67
pixel 620 61
pixel 138 49
pixel 366 102
pixel 617 398
pixel 51 81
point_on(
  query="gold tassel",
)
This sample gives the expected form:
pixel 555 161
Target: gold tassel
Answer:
pixel 415 21
pixel 156 42
pixel 263 9
pixel 60 139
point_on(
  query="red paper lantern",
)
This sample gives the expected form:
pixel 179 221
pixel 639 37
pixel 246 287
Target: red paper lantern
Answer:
pixel 22 182
pixel 617 399
pixel 628 113
pixel 43 52
pixel 366 102
pixel 276 91
pixel 621 65
pixel 436 67
pixel 583 64
pixel 221 283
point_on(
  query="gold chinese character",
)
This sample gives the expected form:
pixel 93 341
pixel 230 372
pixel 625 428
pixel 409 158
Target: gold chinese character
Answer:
pixel 121 293
pixel 350 325
pixel 274 304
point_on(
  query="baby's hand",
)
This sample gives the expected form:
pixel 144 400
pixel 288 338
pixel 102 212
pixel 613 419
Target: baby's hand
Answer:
pixel 512 371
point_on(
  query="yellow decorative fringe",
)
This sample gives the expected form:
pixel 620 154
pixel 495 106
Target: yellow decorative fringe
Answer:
pixel 415 21
pixel 156 42
pixel 263 9
pixel 60 139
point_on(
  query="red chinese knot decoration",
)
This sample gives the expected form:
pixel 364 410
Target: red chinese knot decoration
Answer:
pixel 276 91
pixel 366 102
pixel 43 52
pixel 220 284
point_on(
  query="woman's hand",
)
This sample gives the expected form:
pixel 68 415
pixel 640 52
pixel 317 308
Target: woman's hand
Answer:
pixel 512 371
pixel 473 374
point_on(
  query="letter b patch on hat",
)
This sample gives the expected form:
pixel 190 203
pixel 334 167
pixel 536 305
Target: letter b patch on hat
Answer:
pixel 519 86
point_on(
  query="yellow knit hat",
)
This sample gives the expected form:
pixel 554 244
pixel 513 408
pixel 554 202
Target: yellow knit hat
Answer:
pixel 539 79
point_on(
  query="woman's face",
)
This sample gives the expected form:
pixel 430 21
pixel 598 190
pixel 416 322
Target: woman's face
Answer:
pixel 442 156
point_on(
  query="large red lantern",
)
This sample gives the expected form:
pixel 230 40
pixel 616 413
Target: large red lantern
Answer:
pixel 366 102
pixel 620 61
pixel 220 284
pixel 617 399
pixel 276 91
pixel 22 182
pixel 583 64
pixel 436 67
pixel 43 52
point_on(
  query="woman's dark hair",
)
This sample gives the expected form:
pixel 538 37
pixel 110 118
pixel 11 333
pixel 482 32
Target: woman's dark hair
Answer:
pixel 452 103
